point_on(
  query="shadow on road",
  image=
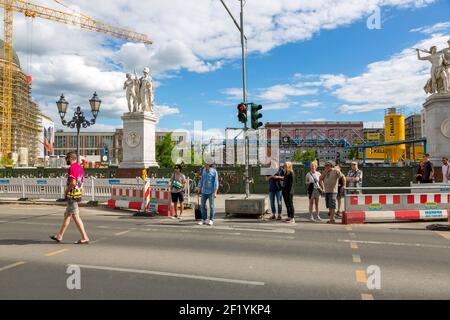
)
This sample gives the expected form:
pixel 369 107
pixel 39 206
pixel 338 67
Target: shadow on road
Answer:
pixel 22 242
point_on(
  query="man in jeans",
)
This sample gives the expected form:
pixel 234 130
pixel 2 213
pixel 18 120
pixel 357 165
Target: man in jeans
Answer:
pixel 208 186
pixel 74 189
pixel 275 194
pixel 329 182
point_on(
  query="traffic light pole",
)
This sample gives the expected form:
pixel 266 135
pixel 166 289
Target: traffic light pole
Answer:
pixel 244 91
pixel 244 95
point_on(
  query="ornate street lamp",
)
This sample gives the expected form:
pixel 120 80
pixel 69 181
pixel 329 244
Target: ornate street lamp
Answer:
pixel 78 119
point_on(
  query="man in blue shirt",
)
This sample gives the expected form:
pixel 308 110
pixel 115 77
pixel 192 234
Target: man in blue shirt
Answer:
pixel 208 186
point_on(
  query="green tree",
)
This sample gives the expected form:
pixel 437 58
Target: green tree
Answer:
pixel 6 161
pixel 164 151
pixel 307 155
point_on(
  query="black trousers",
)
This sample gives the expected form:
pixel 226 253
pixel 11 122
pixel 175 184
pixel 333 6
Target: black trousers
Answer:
pixel 289 202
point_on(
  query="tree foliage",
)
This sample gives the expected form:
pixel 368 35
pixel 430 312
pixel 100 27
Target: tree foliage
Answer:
pixel 164 149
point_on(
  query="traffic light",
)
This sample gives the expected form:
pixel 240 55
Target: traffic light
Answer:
pixel 242 113
pixel 256 115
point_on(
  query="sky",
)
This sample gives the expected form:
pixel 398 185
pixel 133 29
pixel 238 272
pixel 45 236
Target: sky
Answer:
pixel 307 60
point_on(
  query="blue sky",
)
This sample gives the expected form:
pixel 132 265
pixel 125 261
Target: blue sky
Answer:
pixel 347 50
pixel 308 60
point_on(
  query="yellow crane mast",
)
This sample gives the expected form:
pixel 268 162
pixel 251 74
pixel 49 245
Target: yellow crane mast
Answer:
pixel 34 10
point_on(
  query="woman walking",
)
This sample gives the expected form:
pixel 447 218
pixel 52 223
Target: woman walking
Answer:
pixel 288 191
pixel 314 192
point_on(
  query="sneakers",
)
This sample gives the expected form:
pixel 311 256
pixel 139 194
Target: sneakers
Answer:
pixel 211 223
pixel 273 217
pixel 318 218
pixel 311 218
pixel 279 217
pixel 201 223
pixel 291 221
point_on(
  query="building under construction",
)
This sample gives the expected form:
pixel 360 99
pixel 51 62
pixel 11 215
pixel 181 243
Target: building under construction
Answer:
pixel 26 126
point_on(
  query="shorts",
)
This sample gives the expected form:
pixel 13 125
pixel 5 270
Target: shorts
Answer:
pixel 177 197
pixel 315 194
pixel 330 200
pixel 72 207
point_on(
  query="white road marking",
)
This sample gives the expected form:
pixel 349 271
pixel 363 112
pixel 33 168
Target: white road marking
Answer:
pixel 196 227
pixel 12 266
pixel 420 245
pixel 367 296
pixel 356 258
pixel 169 274
pixel 122 233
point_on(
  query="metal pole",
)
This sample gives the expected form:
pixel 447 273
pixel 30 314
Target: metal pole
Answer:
pixel 78 143
pixel 244 95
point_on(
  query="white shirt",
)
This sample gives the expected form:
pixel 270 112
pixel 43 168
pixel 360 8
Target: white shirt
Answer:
pixel 310 178
pixel 445 173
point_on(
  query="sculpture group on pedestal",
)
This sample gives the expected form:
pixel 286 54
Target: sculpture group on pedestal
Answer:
pixel 139 92
pixel 440 69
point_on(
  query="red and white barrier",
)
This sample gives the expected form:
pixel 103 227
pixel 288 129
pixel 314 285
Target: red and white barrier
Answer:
pixel 129 196
pixel 152 195
pixel 396 207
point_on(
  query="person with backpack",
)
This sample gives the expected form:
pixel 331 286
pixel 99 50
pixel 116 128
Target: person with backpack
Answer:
pixel 178 184
pixel 314 191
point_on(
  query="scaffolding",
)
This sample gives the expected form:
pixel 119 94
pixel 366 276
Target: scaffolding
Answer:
pixel 26 124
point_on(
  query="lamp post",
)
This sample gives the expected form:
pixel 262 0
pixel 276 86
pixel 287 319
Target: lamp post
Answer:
pixel 78 119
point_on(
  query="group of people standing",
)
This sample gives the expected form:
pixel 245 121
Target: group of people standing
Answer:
pixel 426 174
pixel 331 184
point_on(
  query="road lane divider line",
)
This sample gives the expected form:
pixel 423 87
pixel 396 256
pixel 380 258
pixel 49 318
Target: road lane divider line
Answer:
pixel 367 296
pixel 11 266
pixel 122 233
pixel 444 234
pixel 354 245
pixel 169 274
pixel 356 258
pixel 361 276
pixel 54 253
pixel 419 245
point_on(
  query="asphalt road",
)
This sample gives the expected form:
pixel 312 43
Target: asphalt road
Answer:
pixel 158 258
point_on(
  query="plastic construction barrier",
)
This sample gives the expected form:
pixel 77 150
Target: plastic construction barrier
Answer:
pixel 152 195
pixel 396 207
pixel 129 196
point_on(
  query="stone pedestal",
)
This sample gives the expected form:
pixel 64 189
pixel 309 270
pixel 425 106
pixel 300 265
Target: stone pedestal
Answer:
pixel 138 144
pixel 437 126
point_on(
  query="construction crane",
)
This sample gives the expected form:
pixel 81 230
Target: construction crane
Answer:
pixel 38 11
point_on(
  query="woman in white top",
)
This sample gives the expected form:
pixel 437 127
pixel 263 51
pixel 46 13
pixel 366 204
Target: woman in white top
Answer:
pixel 314 191
pixel 445 170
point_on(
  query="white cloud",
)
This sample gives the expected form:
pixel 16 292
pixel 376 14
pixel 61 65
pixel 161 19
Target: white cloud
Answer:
pixel 312 104
pixel 397 81
pixel 164 111
pixel 282 92
pixel 233 93
pixel 277 106
pixel 438 27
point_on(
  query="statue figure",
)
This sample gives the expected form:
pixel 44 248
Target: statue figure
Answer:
pixel 439 80
pixel 446 53
pixel 146 96
pixel 131 86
